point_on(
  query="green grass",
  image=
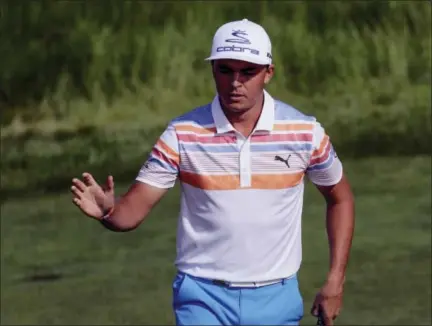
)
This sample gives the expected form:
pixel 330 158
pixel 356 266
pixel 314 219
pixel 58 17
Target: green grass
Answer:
pixel 108 278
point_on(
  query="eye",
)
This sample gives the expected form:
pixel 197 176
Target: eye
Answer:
pixel 248 72
pixel 225 70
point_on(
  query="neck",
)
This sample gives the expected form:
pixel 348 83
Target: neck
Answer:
pixel 246 121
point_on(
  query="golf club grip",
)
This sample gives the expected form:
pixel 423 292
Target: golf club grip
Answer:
pixel 320 321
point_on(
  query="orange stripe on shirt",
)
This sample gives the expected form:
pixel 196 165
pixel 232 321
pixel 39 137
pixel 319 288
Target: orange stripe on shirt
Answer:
pixel 322 158
pixel 211 182
pixel 322 148
pixel 198 130
pixel 168 150
pixel 232 182
pixel 163 157
pixel 292 126
pixel 278 181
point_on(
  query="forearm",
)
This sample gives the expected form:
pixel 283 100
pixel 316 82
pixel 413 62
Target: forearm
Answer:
pixel 340 228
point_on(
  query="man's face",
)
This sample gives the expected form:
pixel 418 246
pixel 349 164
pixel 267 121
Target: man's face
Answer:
pixel 240 83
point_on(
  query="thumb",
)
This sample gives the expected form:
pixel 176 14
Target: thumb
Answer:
pixel 109 186
pixel 315 309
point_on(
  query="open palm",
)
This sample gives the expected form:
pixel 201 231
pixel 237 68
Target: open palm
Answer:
pixel 91 198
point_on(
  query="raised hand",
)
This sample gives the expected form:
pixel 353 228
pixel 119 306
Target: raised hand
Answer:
pixel 91 198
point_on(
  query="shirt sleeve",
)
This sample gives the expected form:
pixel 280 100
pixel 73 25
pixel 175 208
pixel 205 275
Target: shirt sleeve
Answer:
pixel 325 168
pixel 162 166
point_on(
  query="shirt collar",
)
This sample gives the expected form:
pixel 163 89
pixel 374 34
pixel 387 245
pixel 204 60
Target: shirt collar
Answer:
pixel 265 121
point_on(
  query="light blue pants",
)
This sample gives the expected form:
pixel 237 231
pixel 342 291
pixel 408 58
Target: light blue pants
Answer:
pixel 198 301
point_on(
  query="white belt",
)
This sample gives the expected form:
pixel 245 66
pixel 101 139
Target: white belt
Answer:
pixel 247 284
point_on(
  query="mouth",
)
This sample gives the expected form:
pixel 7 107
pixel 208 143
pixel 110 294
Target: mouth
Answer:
pixel 235 97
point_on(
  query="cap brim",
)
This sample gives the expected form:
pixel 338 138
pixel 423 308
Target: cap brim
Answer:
pixel 240 57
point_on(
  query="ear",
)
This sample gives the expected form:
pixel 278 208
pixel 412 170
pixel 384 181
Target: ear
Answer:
pixel 267 79
pixel 269 74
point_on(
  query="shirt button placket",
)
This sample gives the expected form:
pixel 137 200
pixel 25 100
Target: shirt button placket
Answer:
pixel 245 173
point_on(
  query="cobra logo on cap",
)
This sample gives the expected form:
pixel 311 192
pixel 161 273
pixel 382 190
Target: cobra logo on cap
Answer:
pixel 240 37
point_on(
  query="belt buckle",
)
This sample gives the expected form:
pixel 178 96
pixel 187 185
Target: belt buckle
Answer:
pixel 220 283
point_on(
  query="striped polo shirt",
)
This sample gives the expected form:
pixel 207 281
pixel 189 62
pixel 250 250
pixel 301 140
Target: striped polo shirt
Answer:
pixel 241 197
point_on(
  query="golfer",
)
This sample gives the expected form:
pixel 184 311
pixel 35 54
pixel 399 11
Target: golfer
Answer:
pixel 242 161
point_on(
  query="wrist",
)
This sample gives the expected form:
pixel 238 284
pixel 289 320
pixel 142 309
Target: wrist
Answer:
pixel 336 277
pixel 107 214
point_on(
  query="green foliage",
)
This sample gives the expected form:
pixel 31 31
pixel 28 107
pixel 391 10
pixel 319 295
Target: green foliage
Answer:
pixel 81 48
pixel 124 68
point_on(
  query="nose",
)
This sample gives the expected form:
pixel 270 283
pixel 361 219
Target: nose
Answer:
pixel 235 82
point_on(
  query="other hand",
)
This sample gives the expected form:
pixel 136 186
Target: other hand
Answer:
pixel 328 302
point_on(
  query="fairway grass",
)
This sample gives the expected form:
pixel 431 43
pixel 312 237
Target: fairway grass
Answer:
pixel 60 268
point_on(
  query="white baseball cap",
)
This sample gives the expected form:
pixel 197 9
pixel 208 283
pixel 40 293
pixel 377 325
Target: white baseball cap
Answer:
pixel 242 40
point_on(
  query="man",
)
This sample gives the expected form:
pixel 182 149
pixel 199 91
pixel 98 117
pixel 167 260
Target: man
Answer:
pixel 241 160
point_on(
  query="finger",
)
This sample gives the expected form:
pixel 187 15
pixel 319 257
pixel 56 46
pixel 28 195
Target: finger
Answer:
pixel 326 316
pixel 315 310
pixel 78 193
pixel 79 184
pixel 77 202
pixel 88 179
pixel 332 310
pixel 337 313
pixel 328 322
pixel 110 183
